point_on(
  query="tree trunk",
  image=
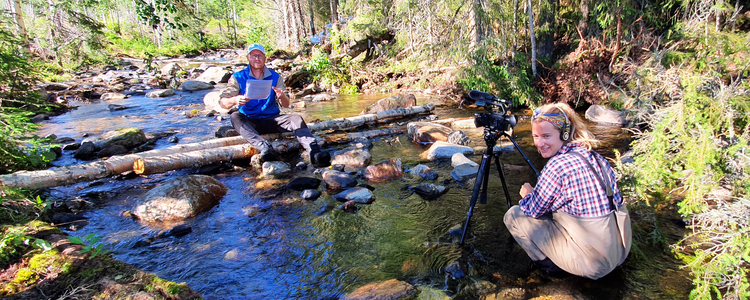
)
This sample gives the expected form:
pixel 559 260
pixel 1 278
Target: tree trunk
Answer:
pixel 515 30
pixel 285 16
pixel 547 28
pixel 299 20
pixel 583 25
pixel 161 164
pixel 15 9
pixel 334 11
pixel 312 18
pixel 477 31
pixel 533 40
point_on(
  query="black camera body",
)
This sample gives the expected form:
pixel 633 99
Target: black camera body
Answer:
pixel 496 121
pixel 499 121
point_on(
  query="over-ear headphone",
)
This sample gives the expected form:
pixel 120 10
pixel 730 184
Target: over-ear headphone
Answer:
pixel 565 131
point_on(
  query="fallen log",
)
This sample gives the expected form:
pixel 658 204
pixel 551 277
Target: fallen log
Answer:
pixel 344 123
pixel 351 136
pixel 119 164
pixel 100 169
pixel 161 164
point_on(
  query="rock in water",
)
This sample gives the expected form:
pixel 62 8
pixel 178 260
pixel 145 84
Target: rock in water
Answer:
pixel 184 197
pixel 387 170
pixel 429 191
pixel 397 101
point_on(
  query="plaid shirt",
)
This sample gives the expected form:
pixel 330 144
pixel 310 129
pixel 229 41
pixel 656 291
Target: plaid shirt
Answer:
pixel 567 184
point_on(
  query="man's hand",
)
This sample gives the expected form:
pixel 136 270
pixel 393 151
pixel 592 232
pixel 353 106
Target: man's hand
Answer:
pixel 283 99
pixel 526 189
pixel 240 99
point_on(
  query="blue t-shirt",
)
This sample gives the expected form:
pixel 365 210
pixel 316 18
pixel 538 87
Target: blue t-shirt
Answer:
pixel 258 108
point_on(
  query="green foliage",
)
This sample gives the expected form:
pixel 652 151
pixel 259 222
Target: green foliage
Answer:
pixel 696 139
pixel 15 241
pixel 90 244
pixel 504 81
pixel 18 102
pixel 328 72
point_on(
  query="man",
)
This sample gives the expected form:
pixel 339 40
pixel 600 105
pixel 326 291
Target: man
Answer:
pixel 262 116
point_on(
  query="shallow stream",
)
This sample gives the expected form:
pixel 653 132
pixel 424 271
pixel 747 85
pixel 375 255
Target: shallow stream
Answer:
pixel 288 248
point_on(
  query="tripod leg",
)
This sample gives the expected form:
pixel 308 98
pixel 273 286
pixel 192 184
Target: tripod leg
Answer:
pixel 481 175
pixel 502 178
pixel 485 182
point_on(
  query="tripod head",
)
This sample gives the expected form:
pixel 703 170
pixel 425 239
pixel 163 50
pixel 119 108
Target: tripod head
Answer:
pixel 494 121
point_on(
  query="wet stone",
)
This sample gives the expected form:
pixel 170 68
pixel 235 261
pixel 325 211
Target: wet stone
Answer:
pixel 310 194
pixel 424 172
pixel 358 194
pixel 386 170
pixel 303 183
pixel 460 159
pixel 429 191
pixel 336 180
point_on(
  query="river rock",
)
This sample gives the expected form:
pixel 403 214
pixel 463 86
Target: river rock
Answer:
pixel 427 133
pixel 460 159
pixel 429 191
pixel 424 171
pixel 386 170
pixel 55 86
pixel 86 151
pixel 322 98
pixel 464 173
pixel 112 96
pixel 310 195
pixel 601 114
pixel 116 107
pixel 303 183
pixel 349 206
pixel 184 197
pixel 458 137
pixel 176 231
pixel 275 170
pixel 170 69
pixel 360 195
pixel 127 137
pixel 226 131
pixel 387 290
pixel 397 101
pixel 444 151
pixel 160 93
pixel 211 102
pixel 464 124
pixel 352 157
pixel 336 180
pixel 112 150
pixel 215 74
pixel 195 85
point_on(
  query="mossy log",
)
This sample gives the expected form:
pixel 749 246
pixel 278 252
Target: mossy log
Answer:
pixel 345 123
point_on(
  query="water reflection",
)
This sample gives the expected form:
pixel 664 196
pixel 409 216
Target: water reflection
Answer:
pixel 284 248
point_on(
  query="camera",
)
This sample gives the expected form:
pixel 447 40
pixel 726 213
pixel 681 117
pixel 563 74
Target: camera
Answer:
pixel 500 121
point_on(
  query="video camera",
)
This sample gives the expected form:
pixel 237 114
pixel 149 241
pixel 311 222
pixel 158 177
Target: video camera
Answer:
pixel 494 120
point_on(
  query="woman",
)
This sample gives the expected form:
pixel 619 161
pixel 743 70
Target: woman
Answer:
pixel 568 220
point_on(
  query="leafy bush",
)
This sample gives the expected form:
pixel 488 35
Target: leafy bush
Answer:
pixel 504 81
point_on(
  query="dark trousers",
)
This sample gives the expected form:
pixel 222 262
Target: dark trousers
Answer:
pixel 251 129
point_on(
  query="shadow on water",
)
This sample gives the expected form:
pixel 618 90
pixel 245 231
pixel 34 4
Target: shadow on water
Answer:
pixel 285 248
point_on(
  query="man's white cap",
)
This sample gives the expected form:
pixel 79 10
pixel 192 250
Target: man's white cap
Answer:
pixel 256 47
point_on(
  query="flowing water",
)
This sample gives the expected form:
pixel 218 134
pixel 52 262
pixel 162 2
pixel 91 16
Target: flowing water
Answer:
pixel 287 248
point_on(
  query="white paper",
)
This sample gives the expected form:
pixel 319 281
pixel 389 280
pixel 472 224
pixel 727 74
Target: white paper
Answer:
pixel 258 89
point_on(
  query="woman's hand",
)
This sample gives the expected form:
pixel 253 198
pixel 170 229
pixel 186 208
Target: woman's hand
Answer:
pixel 526 189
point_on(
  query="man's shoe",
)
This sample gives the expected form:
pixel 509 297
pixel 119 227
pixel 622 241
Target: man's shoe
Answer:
pixel 320 159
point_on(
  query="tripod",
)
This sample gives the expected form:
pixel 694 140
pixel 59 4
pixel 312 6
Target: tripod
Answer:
pixel 491 135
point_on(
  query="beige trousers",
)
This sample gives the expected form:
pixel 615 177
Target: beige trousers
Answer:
pixel 587 247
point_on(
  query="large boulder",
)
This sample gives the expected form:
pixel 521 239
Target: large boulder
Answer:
pixel 211 102
pixel 170 69
pixel 215 74
pixel 427 133
pixel 444 151
pixel 184 197
pixel 352 157
pixel 160 93
pixel 195 85
pixel 397 101
pixel 386 170
pixel 336 180
pixel 127 137
pixel 601 114
pixel 388 290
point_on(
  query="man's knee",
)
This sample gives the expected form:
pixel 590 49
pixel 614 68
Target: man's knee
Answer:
pixel 237 119
pixel 296 121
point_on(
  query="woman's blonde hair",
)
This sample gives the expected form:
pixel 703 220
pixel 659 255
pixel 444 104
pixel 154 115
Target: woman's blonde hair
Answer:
pixel 579 132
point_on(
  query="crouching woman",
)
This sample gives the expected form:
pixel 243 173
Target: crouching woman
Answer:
pixel 574 219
